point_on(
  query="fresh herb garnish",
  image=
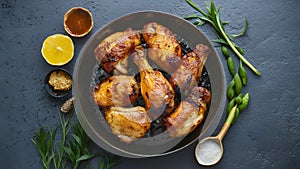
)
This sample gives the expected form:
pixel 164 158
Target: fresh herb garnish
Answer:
pixel 108 162
pixel 69 150
pixel 236 100
pixel 212 16
pixel 57 159
pixel 43 141
pixel 77 149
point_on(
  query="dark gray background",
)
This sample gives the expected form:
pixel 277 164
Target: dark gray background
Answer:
pixel 267 134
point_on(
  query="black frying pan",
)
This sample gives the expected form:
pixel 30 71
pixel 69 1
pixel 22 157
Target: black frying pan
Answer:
pixel 91 118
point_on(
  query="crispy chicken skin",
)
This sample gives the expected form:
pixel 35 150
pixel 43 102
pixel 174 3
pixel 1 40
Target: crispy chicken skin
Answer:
pixel 118 90
pixel 128 124
pixel 164 48
pixel 157 92
pixel 189 72
pixel 196 59
pixel 113 51
pixel 189 113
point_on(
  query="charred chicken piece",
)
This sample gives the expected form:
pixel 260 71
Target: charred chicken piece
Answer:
pixel 128 124
pixel 189 72
pixel 157 92
pixel 113 51
pixel 118 90
pixel 196 59
pixel 164 48
pixel 189 114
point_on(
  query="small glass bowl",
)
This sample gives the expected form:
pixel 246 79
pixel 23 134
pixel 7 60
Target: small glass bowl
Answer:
pixel 78 21
pixel 50 89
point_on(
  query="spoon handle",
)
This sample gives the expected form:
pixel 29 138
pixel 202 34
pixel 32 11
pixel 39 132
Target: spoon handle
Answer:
pixel 227 124
pixel 223 131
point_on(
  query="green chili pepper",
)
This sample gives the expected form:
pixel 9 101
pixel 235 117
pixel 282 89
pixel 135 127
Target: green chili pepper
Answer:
pixel 236 115
pixel 225 51
pixel 231 65
pixel 230 90
pixel 239 99
pixel 237 83
pixel 243 74
pixel 245 102
pixel 229 106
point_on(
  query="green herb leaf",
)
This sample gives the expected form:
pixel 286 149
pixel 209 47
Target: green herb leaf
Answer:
pixel 192 16
pixel 198 23
pixel 108 162
pixel 68 149
pixel 223 42
pixel 101 163
pixel 70 154
pixel 77 140
pixel 242 33
pixel 225 22
pixel 85 157
pixel 196 7
pixel 44 143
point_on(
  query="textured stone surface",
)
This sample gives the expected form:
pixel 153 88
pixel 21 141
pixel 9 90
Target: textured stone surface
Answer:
pixel 267 134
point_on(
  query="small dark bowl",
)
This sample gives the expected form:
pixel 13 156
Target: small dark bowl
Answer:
pixel 50 89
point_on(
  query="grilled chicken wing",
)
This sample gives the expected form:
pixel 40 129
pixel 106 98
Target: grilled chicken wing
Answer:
pixel 157 92
pixel 189 72
pixel 189 114
pixel 128 123
pixel 113 51
pixel 164 48
pixel 118 90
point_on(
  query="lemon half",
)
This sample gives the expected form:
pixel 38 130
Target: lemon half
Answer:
pixel 58 49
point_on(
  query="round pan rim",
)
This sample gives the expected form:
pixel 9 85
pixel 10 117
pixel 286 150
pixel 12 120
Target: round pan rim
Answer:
pixel 208 127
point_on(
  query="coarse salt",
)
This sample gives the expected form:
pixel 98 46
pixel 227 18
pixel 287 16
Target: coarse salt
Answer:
pixel 208 152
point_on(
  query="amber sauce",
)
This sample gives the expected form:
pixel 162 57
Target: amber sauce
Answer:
pixel 78 22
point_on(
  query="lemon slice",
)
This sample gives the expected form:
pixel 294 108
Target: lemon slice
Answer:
pixel 58 49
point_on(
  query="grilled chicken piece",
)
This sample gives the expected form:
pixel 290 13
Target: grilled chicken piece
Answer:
pixel 118 90
pixel 189 114
pixel 128 124
pixel 113 51
pixel 157 92
pixel 189 72
pixel 164 48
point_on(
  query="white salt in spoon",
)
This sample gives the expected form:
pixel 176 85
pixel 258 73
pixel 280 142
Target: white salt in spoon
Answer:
pixel 209 151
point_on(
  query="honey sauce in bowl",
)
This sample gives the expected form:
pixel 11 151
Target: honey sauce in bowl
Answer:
pixel 78 21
